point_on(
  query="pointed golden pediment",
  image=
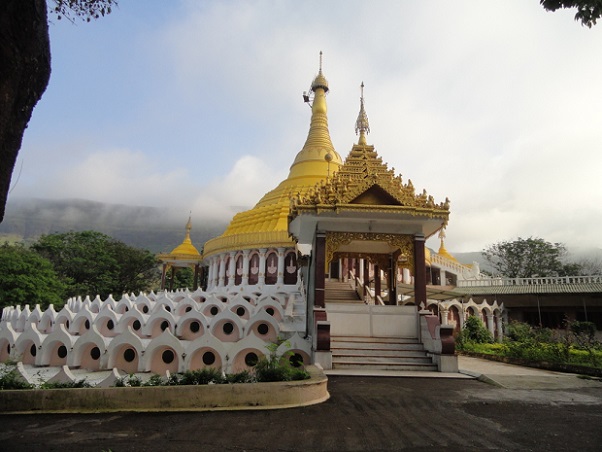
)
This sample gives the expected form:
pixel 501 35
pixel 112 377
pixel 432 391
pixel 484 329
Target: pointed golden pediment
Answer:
pixel 375 196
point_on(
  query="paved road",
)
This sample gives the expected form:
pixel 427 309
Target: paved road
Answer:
pixel 525 409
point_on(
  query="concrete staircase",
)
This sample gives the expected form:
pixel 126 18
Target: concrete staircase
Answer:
pixel 373 353
pixel 379 353
pixel 340 292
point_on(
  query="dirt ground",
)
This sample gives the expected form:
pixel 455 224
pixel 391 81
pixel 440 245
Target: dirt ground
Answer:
pixel 363 413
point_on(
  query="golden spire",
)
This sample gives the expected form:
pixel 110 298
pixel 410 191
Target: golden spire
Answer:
pixel 318 144
pixel 362 126
pixel 186 247
pixel 188 228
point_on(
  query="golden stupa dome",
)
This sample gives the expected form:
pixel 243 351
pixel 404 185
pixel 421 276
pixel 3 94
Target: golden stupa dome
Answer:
pixel 266 224
pixel 186 248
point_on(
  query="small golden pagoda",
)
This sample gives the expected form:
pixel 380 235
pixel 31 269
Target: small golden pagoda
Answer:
pixel 185 255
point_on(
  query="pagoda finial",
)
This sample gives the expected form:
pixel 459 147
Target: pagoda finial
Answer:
pixel 188 228
pixel 320 81
pixel 442 238
pixel 442 251
pixel 362 126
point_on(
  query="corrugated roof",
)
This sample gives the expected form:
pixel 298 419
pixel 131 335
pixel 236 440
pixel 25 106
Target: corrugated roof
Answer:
pixel 440 293
pixel 532 289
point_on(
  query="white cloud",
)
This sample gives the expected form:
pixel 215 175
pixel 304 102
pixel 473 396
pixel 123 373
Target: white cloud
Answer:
pixel 495 105
pixel 239 190
pixel 110 175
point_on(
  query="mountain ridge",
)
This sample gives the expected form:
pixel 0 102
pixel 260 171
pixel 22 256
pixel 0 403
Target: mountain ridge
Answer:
pixel 159 230
pixel 152 228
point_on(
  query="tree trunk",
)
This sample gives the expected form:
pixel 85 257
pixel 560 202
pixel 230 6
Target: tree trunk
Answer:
pixel 24 76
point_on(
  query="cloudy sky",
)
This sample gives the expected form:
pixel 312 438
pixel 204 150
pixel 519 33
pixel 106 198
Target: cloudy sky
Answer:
pixel 197 105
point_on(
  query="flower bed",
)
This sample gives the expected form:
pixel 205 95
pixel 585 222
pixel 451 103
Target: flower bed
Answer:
pixel 237 396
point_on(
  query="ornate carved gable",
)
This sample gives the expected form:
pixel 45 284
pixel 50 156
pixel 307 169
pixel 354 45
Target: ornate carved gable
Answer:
pixel 364 180
pixel 375 196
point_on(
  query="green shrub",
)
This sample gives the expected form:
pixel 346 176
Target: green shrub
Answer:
pixel 587 330
pixel 473 331
pixel 11 379
pixel 531 350
pixel 155 380
pixel 298 374
pixel 586 357
pixel 486 348
pixel 241 377
pixel 208 375
pixel 128 381
pixel 65 384
pixel 279 368
pixel 584 334
pixel 519 331
pixel 266 371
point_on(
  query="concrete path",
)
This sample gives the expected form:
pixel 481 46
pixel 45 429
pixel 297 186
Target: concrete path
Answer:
pixel 503 375
pixel 511 376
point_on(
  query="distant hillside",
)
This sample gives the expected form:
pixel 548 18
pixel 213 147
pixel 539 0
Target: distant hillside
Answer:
pixel 143 227
pixel 590 257
pixel 474 256
pixel 152 228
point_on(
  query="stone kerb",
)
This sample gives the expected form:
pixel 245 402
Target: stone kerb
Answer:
pixel 241 396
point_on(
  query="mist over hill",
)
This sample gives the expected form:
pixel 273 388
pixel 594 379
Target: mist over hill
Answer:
pixel 474 256
pixel 590 258
pixel 152 228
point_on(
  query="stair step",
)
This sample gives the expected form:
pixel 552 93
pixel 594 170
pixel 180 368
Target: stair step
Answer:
pixel 381 359
pixel 341 292
pixel 387 366
pixel 375 340
pixel 376 352
pixel 376 346
pixel 380 353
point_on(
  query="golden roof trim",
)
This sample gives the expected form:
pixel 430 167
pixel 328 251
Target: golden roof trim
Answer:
pixel 247 240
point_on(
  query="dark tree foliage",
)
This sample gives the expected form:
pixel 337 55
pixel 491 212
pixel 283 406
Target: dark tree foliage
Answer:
pixel 25 68
pixel 28 278
pixel 183 278
pixel 526 258
pixel 91 263
pixel 82 9
pixel 588 11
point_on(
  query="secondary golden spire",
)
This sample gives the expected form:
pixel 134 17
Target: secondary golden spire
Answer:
pixel 362 126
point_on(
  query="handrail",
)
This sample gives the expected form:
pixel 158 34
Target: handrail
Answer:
pixel 489 282
pixel 369 298
pixel 446 262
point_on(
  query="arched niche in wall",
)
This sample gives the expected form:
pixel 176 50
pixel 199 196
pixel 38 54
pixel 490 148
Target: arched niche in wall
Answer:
pixel 238 270
pixel 254 269
pixel 290 268
pixel 271 268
